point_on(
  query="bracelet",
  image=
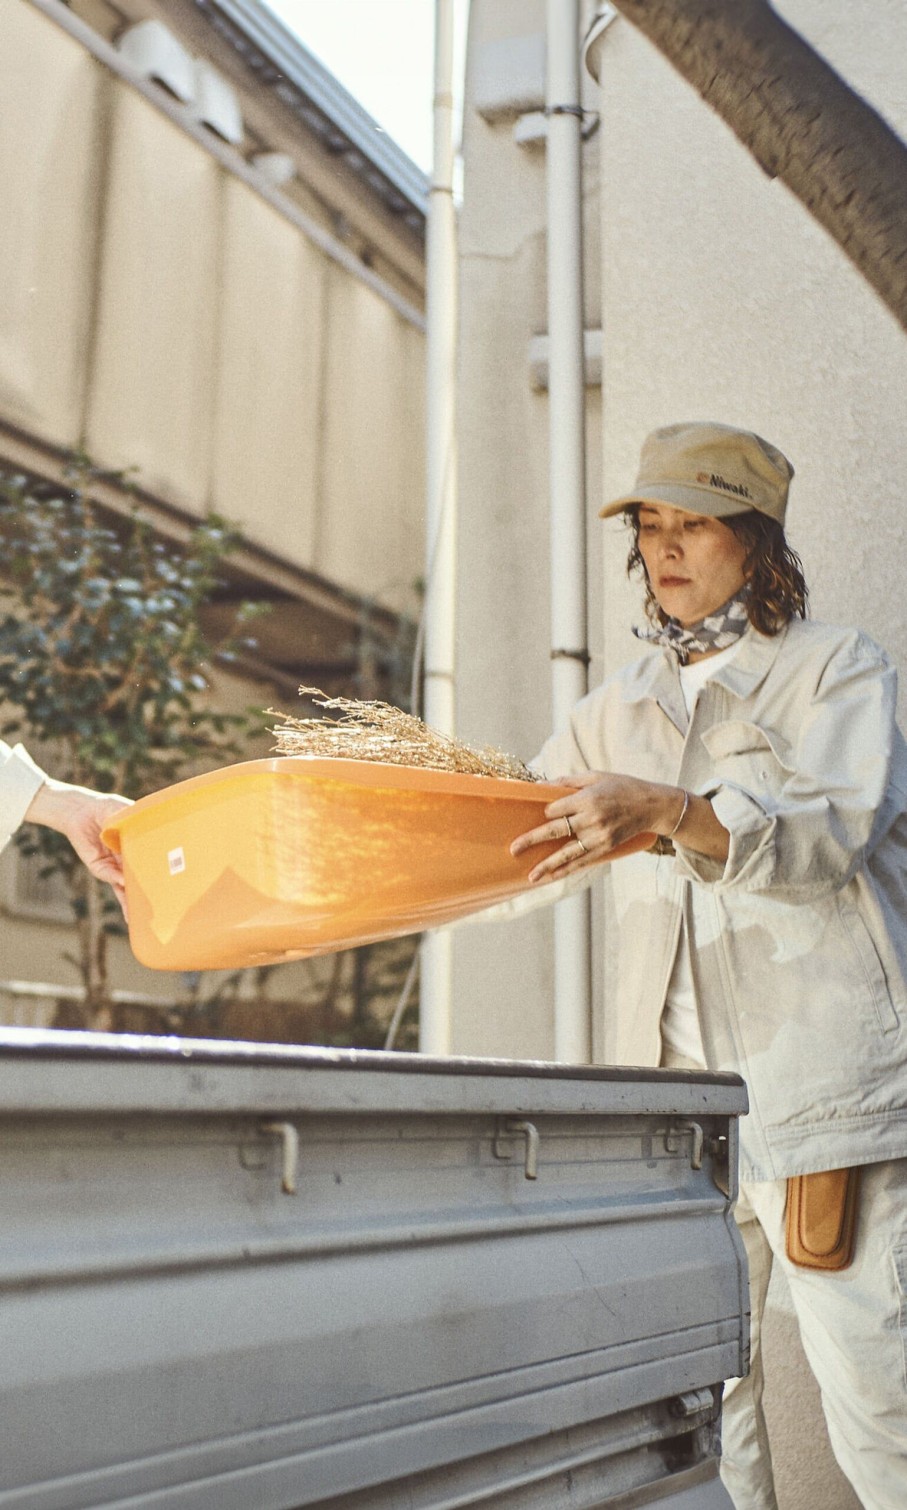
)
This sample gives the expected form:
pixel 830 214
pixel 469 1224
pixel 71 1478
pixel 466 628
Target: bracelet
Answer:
pixel 683 812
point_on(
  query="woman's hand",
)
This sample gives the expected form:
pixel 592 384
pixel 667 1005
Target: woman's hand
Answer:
pixel 81 814
pixel 605 813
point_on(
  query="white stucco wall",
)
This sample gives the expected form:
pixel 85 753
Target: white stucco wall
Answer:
pixel 503 690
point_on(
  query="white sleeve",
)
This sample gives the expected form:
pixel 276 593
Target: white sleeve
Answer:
pixel 811 835
pixel 20 779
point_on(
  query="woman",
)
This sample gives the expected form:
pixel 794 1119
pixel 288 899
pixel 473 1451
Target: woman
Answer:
pixel 766 931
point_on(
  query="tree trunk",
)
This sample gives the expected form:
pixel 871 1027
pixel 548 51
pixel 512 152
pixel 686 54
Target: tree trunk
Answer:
pixel 97 1008
pixel 800 120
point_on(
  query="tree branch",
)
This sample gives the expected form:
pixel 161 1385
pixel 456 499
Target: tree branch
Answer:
pixel 801 122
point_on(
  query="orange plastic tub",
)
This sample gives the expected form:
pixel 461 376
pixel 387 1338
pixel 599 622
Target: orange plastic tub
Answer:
pixel 275 860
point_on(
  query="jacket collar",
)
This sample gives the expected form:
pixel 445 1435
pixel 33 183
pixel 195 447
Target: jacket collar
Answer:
pixel 657 676
pixel 752 663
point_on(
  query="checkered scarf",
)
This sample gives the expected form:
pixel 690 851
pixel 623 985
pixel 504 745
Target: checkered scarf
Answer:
pixel 716 631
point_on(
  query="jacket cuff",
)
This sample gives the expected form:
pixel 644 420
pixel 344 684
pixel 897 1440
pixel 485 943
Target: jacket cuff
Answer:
pixel 751 855
pixel 20 779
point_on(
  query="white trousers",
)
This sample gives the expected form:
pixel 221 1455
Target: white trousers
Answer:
pixel 853 1326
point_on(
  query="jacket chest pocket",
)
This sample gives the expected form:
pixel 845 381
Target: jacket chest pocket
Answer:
pixel 756 759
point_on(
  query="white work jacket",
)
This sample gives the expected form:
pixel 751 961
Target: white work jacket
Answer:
pixel 20 779
pixel 799 942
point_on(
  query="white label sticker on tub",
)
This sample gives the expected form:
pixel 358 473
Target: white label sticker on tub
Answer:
pixel 176 860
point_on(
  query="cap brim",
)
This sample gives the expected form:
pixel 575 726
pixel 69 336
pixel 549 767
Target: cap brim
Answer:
pixel 680 496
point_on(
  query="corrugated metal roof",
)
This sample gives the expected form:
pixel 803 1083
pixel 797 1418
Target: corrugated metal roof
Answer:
pixel 282 63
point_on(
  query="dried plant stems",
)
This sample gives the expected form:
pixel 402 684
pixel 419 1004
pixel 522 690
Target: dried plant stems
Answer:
pixel 380 732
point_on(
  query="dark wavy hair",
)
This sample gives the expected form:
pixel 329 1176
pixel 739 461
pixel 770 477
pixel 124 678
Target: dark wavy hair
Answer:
pixel 774 573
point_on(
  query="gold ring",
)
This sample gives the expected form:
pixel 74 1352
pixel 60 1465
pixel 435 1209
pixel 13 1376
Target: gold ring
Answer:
pixel 583 849
pixel 570 833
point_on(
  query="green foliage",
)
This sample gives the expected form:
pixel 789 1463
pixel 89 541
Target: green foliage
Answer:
pixel 103 657
pixel 101 647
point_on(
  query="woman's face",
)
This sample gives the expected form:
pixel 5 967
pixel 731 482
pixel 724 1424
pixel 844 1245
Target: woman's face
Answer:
pixel 694 562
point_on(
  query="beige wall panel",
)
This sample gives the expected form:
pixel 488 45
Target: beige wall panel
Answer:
pixel 48 182
pixel 371 525
pixel 152 392
pixel 269 370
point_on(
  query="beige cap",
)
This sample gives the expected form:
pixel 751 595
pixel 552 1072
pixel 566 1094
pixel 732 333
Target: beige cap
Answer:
pixel 712 469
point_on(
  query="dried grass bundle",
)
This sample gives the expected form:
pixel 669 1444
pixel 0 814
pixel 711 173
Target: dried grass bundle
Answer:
pixel 381 732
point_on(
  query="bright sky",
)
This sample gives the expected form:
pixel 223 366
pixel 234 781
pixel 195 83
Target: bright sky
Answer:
pixel 382 52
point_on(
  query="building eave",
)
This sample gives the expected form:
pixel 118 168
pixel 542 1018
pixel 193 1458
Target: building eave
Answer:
pixel 280 61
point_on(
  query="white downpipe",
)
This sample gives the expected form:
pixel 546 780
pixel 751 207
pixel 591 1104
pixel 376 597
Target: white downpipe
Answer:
pixel 439 697
pixel 567 478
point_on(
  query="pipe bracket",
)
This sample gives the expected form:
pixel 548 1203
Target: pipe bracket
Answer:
pixel 582 656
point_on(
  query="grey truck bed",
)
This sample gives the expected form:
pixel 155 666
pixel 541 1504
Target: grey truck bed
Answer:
pixel 244 1277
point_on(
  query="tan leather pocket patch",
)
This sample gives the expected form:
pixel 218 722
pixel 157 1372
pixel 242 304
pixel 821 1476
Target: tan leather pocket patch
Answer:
pixel 822 1218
